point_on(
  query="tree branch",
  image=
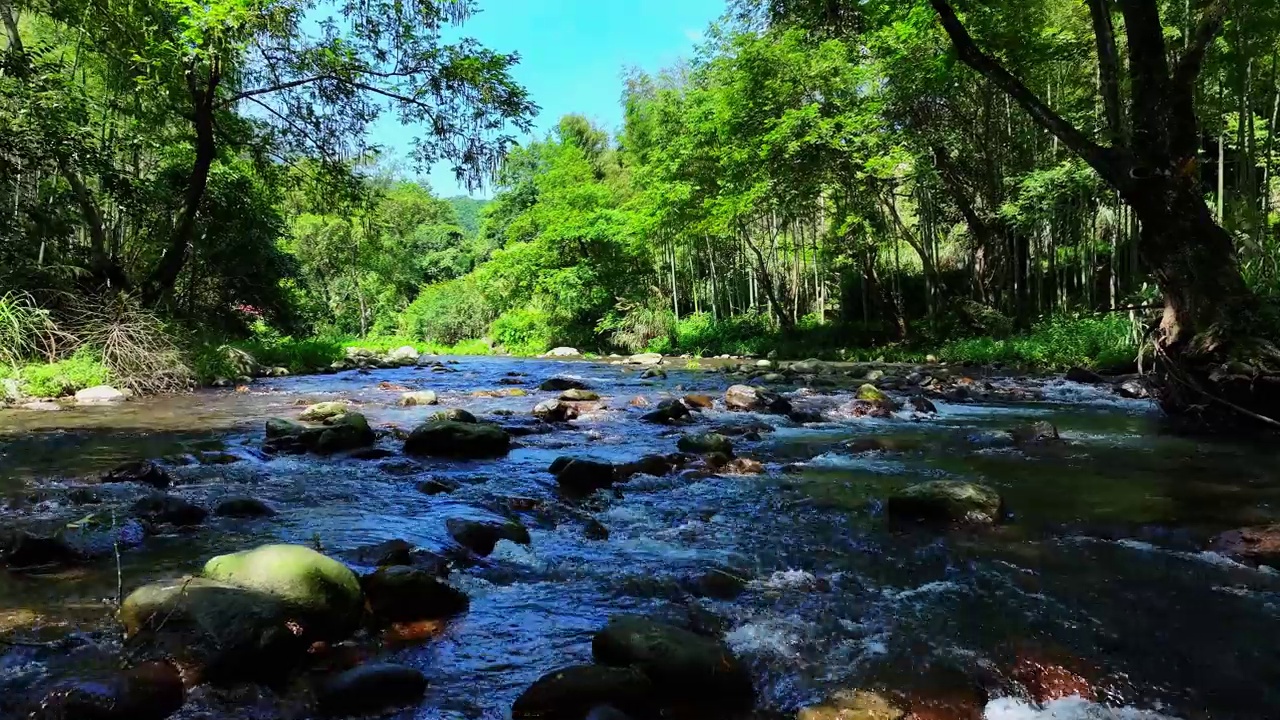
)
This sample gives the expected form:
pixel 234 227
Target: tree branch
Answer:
pixel 1188 67
pixel 1104 160
pixel 273 88
pixel 1108 68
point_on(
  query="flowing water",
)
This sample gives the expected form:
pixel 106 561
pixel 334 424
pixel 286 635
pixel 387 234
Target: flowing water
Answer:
pixel 1101 568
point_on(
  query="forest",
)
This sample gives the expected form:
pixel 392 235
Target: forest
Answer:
pixel 1048 183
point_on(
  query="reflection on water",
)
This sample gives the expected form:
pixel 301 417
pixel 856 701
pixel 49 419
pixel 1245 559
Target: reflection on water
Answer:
pixel 1100 569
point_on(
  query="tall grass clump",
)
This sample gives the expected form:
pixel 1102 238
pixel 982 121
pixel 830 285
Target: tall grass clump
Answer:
pixel 137 348
pixel 27 331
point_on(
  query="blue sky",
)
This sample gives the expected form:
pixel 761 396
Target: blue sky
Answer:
pixel 572 56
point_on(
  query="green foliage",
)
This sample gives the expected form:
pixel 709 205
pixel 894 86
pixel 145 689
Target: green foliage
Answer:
pixel 524 331
pixel 26 330
pixel 1055 344
pixel 58 379
pixel 448 312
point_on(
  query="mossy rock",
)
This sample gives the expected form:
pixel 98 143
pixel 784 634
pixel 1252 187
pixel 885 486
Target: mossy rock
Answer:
pixel 348 431
pixel 398 593
pixel 322 590
pixel 323 411
pixel 447 438
pixel 947 501
pixel 703 443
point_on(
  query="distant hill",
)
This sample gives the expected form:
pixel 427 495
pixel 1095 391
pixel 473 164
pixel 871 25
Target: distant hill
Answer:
pixel 468 210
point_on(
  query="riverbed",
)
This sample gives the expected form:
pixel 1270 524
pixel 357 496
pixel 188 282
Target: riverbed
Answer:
pixel 1100 571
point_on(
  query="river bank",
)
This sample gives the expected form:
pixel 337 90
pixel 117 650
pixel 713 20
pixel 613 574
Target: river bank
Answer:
pixel 1089 578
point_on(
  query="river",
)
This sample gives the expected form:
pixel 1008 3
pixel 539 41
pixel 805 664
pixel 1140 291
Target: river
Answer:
pixel 1100 570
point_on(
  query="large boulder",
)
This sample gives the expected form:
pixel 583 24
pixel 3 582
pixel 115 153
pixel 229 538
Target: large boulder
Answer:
pixel 683 666
pixel 23 549
pixel 946 501
pixel 580 477
pixel 347 431
pixel 746 397
pixel 563 352
pixel 419 397
pixel 370 689
pixel 554 411
pixel 702 443
pixel 322 591
pixel 570 693
pixel 560 384
pixel 446 438
pixel 454 415
pixel 406 355
pixel 229 633
pixel 162 509
pixel 645 359
pixel 398 593
pixel 480 536
pixel 322 411
pixel 140 471
pixel 289 437
pixel 99 395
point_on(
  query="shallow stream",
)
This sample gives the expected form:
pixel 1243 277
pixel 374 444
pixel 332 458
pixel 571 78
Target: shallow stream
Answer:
pixel 1101 569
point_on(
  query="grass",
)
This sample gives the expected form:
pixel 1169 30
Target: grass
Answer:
pixel 58 379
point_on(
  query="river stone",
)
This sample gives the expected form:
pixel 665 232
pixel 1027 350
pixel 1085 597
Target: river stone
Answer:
pixel 229 632
pixel 563 352
pixel 922 404
pixel 870 393
pixel 852 705
pixel 140 471
pixel 1041 431
pixel 279 428
pixel 580 477
pixel 420 397
pixel 571 693
pixel 698 402
pixel 946 501
pixel 1086 377
pixel 390 552
pixel 150 691
pixel 742 466
pixel 323 590
pixel 682 666
pixel 323 411
pixel 41 406
pixel 812 366
pixel 406 355
pixel 480 536
pixel 656 465
pixel 368 689
pixel 560 384
pixel 718 584
pixel 243 507
pixel 645 359
pixel 399 593
pixel 577 395
pixel 554 411
pixel 160 508
pixel 99 395
pixel 21 549
pixel 653 373
pixel 437 486
pixel 454 415
pixel 746 397
pixel 447 438
pixel 702 443
pixel 1260 545
pixel 347 431
pixel 668 412
pixel 1133 389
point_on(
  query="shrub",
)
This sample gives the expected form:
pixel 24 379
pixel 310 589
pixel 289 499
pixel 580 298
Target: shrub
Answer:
pixel 51 380
pixel 448 312
pixel 137 348
pixel 524 331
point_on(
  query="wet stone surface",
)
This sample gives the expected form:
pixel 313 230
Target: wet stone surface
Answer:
pixel 1100 577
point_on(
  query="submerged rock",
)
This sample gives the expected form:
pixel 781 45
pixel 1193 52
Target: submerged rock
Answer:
pixel 20 549
pixel 580 476
pixel 324 592
pixel 391 552
pixel 371 688
pixel 1258 545
pixel 323 411
pixel 447 438
pixel 922 404
pixel 149 691
pixel 480 536
pixel 946 501
pixel 139 471
pixel 852 705
pixel 1040 431
pixel 420 397
pixel 746 397
pixel 228 633
pixel 571 693
pixel 99 395
pixel 399 593
pixel 559 384
pixel 162 509
pixel 656 465
pixel 682 666
pixel 554 411
pixel 708 442
pixel 243 507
